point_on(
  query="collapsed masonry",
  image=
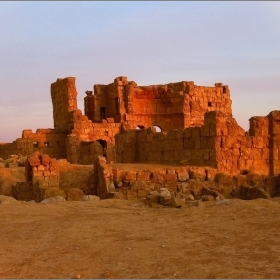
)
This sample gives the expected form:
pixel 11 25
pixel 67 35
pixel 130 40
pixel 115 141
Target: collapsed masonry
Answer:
pixel 42 180
pixel 196 122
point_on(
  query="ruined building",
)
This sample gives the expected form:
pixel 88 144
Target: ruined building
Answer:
pixel 197 128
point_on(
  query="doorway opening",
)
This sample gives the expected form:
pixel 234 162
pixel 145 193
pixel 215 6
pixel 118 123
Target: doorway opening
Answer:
pixel 103 143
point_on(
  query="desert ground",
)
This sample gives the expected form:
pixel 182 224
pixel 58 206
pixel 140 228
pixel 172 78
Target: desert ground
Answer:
pixel 116 238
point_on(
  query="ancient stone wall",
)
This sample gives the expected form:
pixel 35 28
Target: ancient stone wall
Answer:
pixel 18 147
pixel 41 178
pixel 81 146
pixel 108 101
pixel 64 100
pixel 174 105
pixel 219 143
pixel 139 180
pixel 274 142
pixel 194 145
pixel 237 151
pixel 47 141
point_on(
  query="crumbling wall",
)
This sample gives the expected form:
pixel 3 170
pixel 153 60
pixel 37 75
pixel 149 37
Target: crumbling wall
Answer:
pixel 219 143
pixel 64 100
pixel 46 141
pixel 194 145
pixel 41 179
pixel 174 105
pixel 84 131
pixel 274 142
pixel 237 151
pixel 139 180
pixel 108 101
pixel 20 146
pixel 257 152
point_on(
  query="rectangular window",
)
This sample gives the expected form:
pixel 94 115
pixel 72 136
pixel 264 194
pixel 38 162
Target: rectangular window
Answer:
pixel 209 104
pixel 35 145
pixel 46 144
pixel 103 114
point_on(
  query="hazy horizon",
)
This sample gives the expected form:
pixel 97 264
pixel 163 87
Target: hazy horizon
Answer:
pixel 235 43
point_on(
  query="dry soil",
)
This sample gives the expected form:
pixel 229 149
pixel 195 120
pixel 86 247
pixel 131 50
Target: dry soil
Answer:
pixel 125 239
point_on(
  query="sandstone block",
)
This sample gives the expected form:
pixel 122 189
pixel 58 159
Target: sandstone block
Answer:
pixel 177 202
pixel 73 194
pixel 207 198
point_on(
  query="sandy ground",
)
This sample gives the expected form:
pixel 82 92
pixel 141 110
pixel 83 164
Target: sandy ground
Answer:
pixel 125 239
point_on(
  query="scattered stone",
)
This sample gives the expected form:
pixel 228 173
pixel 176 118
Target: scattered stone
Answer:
pixel 207 198
pixel 200 204
pixel 31 201
pixel 8 200
pixel 53 199
pixel 177 202
pixel 90 198
pixel 189 197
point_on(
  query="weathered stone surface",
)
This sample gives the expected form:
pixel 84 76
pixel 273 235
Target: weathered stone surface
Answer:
pixel 248 192
pixel 73 194
pixel 177 202
pixel 198 131
pixel 207 198
pixel 153 197
pixel 53 199
pixel 189 197
pixel 8 200
pixel 90 198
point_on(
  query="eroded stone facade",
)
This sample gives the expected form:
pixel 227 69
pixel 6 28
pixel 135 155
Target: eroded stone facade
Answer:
pixel 196 122
pixel 174 105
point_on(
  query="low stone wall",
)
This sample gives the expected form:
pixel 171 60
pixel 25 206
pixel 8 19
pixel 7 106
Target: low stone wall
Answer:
pixel 137 181
pixel 42 181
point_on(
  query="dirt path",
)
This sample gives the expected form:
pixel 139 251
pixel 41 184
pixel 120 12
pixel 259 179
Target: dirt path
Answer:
pixel 125 239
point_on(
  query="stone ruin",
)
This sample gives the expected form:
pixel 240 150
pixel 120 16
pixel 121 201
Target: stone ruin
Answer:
pixel 197 129
pixel 42 180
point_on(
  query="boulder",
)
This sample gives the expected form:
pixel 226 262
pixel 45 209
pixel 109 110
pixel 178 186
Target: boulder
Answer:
pixel 177 202
pixel 153 197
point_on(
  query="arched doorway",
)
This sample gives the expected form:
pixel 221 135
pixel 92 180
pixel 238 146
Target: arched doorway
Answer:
pixel 103 143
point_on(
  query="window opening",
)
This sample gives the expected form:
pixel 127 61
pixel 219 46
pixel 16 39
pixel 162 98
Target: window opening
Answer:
pixel 103 114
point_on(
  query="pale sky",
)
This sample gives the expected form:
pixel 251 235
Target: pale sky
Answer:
pixel 235 43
